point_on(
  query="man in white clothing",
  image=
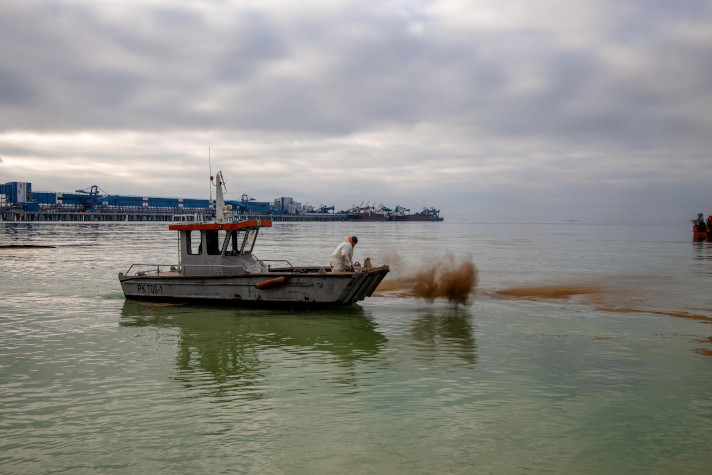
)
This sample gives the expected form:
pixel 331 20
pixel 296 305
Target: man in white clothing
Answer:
pixel 341 258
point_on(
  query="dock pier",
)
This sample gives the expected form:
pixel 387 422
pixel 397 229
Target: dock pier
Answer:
pixel 136 214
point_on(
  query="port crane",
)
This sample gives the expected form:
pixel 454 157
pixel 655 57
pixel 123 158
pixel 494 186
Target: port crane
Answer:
pixel 90 200
pixel 324 209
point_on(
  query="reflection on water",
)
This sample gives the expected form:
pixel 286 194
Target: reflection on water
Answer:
pixel 231 347
pixel 221 350
pixel 448 331
pixel 702 252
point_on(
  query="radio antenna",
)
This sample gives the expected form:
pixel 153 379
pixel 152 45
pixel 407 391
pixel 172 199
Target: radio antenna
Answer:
pixel 210 169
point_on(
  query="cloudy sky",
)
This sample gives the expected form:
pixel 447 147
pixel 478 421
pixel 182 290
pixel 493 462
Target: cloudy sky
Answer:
pixel 490 110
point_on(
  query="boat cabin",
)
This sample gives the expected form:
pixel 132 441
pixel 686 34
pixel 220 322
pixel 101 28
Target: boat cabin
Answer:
pixel 219 248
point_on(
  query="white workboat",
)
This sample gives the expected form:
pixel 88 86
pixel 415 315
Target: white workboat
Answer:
pixel 217 264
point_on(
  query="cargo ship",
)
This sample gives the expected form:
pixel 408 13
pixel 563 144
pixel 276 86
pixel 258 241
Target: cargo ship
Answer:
pixel 382 213
pixel 368 213
pixel 427 214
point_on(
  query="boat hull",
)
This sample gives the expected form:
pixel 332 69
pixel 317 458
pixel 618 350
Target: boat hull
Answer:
pixel 701 233
pixel 702 236
pixel 302 288
pixel 416 217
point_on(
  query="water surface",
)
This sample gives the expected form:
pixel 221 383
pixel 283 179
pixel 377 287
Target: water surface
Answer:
pixel 586 349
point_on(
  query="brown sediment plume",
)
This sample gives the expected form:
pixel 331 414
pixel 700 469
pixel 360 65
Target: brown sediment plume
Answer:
pixel 704 351
pixel 599 297
pixel 445 278
pixel 396 287
pixel 548 292
pixel 686 315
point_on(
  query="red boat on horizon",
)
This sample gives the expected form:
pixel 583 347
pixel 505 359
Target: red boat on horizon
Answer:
pixel 701 229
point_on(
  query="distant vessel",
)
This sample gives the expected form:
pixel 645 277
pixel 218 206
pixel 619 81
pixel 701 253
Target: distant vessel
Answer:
pixel 382 213
pixel 428 214
pixel 217 263
pixel 366 213
pixel 701 229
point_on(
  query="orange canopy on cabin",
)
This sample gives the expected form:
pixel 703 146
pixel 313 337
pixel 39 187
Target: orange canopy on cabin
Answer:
pixel 254 223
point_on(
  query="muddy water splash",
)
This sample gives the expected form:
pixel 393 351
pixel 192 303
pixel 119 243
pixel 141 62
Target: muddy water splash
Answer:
pixel 445 278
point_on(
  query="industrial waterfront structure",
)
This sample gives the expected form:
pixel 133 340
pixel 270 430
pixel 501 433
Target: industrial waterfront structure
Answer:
pixel 19 203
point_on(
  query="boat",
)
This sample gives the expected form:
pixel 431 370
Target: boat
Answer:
pixel 217 263
pixel 367 213
pixel 428 214
pixel 701 229
pixel 382 213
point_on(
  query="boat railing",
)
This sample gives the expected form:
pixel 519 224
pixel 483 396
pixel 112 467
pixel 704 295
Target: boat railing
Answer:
pixel 269 266
pixel 140 270
pixel 151 269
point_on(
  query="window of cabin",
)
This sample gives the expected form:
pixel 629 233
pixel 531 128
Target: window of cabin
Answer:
pixel 236 239
pixel 222 239
pixel 193 242
pixel 212 242
pixel 250 241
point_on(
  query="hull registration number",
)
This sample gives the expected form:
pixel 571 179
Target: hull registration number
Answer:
pixel 149 289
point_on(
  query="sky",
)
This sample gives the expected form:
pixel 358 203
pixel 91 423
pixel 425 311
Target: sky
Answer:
pixel 489 110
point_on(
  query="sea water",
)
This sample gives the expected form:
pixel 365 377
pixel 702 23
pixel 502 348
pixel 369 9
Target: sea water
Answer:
pixel 585 349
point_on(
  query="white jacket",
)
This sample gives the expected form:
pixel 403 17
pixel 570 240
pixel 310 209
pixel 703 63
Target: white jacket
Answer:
pixel 342 256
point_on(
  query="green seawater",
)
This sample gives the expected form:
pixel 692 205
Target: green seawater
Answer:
pixel 586 349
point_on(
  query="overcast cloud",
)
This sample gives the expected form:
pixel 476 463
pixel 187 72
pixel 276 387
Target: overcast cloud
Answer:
pixel 540 110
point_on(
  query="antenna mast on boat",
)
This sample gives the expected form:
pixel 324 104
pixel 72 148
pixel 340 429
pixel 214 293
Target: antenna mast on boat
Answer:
pixel 219 200
pixel 210 170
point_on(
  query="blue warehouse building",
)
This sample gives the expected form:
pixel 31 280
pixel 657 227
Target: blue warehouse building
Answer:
pixel 18 202
pixel 21 194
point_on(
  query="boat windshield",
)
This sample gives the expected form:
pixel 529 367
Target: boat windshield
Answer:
pixel 240 241
pixel 212 240
pixel 250 240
